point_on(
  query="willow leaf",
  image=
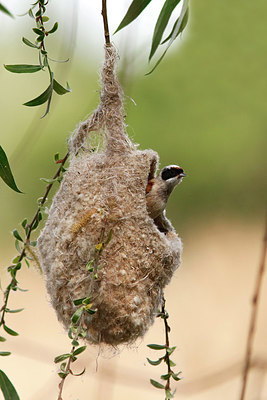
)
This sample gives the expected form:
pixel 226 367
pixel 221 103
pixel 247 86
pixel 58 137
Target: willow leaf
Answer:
pixel 161 24
pixel 8 390
pixel 133 12
pixel 5 171
pixel 174 35
pixel 5 10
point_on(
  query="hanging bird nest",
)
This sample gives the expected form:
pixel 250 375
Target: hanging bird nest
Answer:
pixel 99 213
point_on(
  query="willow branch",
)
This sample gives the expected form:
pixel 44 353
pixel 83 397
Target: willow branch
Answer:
pixel 254 313
pixel 30 227
pixel 105 22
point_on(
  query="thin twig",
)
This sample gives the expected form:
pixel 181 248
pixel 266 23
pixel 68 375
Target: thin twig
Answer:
pixel 30 227
pixel 254 313
pixel 105 21
pixel 167 341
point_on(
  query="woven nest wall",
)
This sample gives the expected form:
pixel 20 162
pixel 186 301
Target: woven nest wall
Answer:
pixel 104 191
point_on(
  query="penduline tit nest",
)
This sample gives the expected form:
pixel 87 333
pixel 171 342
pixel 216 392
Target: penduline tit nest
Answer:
pixel 99 214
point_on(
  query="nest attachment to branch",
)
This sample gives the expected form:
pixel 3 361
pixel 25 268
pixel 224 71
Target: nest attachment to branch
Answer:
pixel 99 217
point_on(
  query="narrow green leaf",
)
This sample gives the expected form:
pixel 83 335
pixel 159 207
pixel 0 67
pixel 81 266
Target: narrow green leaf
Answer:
pixel 8 390
pixel 23 68
pixel 174 35
pixel 17 235
pixel 47 180
pixel 87 300
pixel 2 339
pixel 50 94
pixel 31 13
pixel 5 10
pixel 182 26
pixel 22 290
pixel 5 353
pixel 75 343
pixel 16 259
pixel 77 315
pixel 62 357
pixel 90 311
pixel 157 384
pixel 79 374
pixel 170 350
pixel 10 331
pixel 24 223
pixel 168 394
pixel 38 31
pixel 45 18
pixel 156 346
pixel 17 246
pixel 79 302
pixel 54 28
pixel 134 10
pixel 17 310
pixel 109 237
pixel 172 363
pixel 161 24
pixel 165 377
pixel 157 362
pixel 176 376
pixel 40 99
pixel 59 89
pixel 63 375
pixel 29 43
pixel 27 262
pixel 79 350
pixel 5 171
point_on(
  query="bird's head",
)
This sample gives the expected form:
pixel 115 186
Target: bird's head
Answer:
pixel 172 175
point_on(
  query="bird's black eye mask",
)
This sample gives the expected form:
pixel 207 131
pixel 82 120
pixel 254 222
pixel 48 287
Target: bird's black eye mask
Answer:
pixel 168 173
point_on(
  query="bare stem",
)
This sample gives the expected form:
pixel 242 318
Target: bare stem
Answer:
pixel 254 313
pixel 105 21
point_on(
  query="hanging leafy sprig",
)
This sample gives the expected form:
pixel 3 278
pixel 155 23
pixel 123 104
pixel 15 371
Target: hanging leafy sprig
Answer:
pixel 165 358
pixel 77 328
pixel 41 32
pixel 169 6
pixel 23 245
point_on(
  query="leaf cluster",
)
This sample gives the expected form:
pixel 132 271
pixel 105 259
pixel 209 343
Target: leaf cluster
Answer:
pixel 41 32
pixel 169 6
pixel 165 358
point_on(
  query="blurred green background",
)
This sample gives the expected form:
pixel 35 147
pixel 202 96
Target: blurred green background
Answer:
pixel 204 108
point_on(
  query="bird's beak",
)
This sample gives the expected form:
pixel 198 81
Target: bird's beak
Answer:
pixel 182 175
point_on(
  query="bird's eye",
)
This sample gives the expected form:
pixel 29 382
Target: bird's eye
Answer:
pixel 171 172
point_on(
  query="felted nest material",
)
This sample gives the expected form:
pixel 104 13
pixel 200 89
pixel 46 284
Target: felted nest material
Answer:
pixel 105 191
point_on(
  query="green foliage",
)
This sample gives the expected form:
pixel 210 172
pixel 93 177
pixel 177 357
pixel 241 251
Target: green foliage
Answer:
pixel 161 24
pixel 5 171
pixel 41 33
pixel 133 12
pixel 166 358
pixel 8 390
pixel 137 7
pixel 5 10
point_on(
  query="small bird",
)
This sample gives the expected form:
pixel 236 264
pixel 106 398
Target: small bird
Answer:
pixel 159 189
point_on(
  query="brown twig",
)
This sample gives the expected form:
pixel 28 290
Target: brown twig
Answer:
pixel 105 21
pixel 254 313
